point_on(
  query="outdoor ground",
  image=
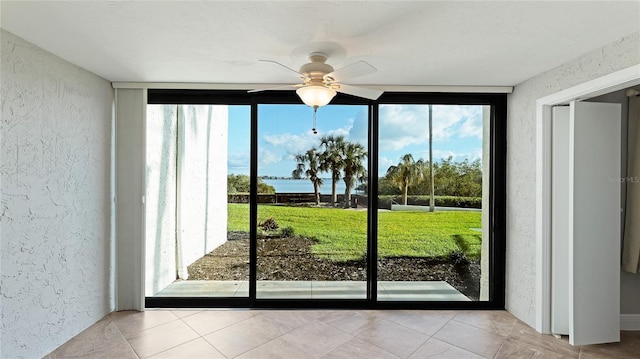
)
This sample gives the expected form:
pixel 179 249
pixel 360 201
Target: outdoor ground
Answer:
pixel 291 259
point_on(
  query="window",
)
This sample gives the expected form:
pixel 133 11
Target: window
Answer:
pixel 362 213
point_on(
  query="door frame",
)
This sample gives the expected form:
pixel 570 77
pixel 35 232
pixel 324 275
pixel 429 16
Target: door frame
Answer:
pixel 615 81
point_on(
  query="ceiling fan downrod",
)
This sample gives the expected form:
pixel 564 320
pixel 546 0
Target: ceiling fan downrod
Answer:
pixel 315 112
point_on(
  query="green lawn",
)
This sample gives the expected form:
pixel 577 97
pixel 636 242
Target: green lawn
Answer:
pixel 342 234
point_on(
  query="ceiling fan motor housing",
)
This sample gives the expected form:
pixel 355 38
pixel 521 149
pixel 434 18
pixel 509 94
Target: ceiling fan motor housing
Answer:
pixel 316 69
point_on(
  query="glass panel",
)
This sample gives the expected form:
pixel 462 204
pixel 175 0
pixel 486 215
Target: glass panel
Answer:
pixel 197 243
pixel 312 231
pixel 433 203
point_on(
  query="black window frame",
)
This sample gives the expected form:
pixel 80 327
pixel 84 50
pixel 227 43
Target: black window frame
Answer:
pixel 497 196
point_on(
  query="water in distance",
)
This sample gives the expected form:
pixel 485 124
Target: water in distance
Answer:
pixel 304 186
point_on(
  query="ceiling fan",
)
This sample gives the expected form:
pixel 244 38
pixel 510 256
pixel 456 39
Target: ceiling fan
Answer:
pixel 320 81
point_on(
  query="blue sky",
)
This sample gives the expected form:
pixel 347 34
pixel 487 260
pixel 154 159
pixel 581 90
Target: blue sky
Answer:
pixel 284 130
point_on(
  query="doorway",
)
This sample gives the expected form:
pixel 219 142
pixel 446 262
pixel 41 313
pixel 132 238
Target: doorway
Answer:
pixel 610 83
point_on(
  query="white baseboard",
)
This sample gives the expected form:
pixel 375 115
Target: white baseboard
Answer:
pixel 629 321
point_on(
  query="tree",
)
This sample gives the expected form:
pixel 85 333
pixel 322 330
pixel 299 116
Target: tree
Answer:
pixel 406 173
pixel 353 155
pixel 331 160
pixel 241 184
pixel 469 178
pixel 309 165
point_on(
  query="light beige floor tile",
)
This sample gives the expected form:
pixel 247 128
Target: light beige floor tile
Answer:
pixel 316 338
pixel 293 318
pixel 184 313
pixel 131 323
pixel 420 321
pixel 358 348
pixel 198 348
pixel 328 333
pixel 435 348
pixel 528 337
pixel 101 340
pixel 209 321
pixel 627 348
pixel 393 338
pixel 350 322
pixel 276 349
pixel 496 321
pixel 248 334
pixel 470 338
pixel 163 337
pixel 444 313
pixel 512 349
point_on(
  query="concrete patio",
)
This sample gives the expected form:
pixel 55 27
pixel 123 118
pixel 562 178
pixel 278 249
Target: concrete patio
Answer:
pixel 387 290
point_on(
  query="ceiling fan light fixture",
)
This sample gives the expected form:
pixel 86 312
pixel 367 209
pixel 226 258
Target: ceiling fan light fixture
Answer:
pixel 315 96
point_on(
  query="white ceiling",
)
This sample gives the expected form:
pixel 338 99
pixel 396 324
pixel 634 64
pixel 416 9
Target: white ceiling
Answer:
pixel 481 43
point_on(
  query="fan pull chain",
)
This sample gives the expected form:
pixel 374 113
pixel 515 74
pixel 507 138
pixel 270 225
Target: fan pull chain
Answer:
pixel 315 112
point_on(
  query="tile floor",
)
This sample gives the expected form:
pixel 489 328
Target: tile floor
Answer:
pixel 299 334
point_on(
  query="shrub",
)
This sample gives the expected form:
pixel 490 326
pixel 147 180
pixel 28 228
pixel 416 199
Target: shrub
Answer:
pixel 384 201
pixel 269 224
pixel 459 259
pixel 287 232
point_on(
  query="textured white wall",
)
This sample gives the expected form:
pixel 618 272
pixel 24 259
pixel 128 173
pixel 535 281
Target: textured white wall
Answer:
pixel 521 166
pixel 55 210
pixel 161 197
pixel 202 169
pixel 186 173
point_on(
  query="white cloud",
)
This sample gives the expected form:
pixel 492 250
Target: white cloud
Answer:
pixel 359 131
pixel 292 143
pixel 471 127
pixel 384 163
pixel 266 157
pixel 238 161
pixel 406 125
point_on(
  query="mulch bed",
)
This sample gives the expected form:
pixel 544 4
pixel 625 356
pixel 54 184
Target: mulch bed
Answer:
pixel 291 259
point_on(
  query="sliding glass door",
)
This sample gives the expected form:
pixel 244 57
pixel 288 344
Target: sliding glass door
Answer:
pixel 433 186
pixel 252 201
pixel 312 213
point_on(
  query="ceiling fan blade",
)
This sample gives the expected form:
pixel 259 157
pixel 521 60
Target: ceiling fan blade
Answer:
pixel 368 93
pixel 351 71
pixel 290 70
pixel 277 88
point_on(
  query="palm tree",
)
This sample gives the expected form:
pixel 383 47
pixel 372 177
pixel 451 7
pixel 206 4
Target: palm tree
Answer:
pixel 309 164
pixel 331 160
pixel 432 184
pixel 406 173
pixel 352 163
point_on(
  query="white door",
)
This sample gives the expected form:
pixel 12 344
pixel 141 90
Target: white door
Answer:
pixel 594 222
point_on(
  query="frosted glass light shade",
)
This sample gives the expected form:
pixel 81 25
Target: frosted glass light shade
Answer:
pixel 315 96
